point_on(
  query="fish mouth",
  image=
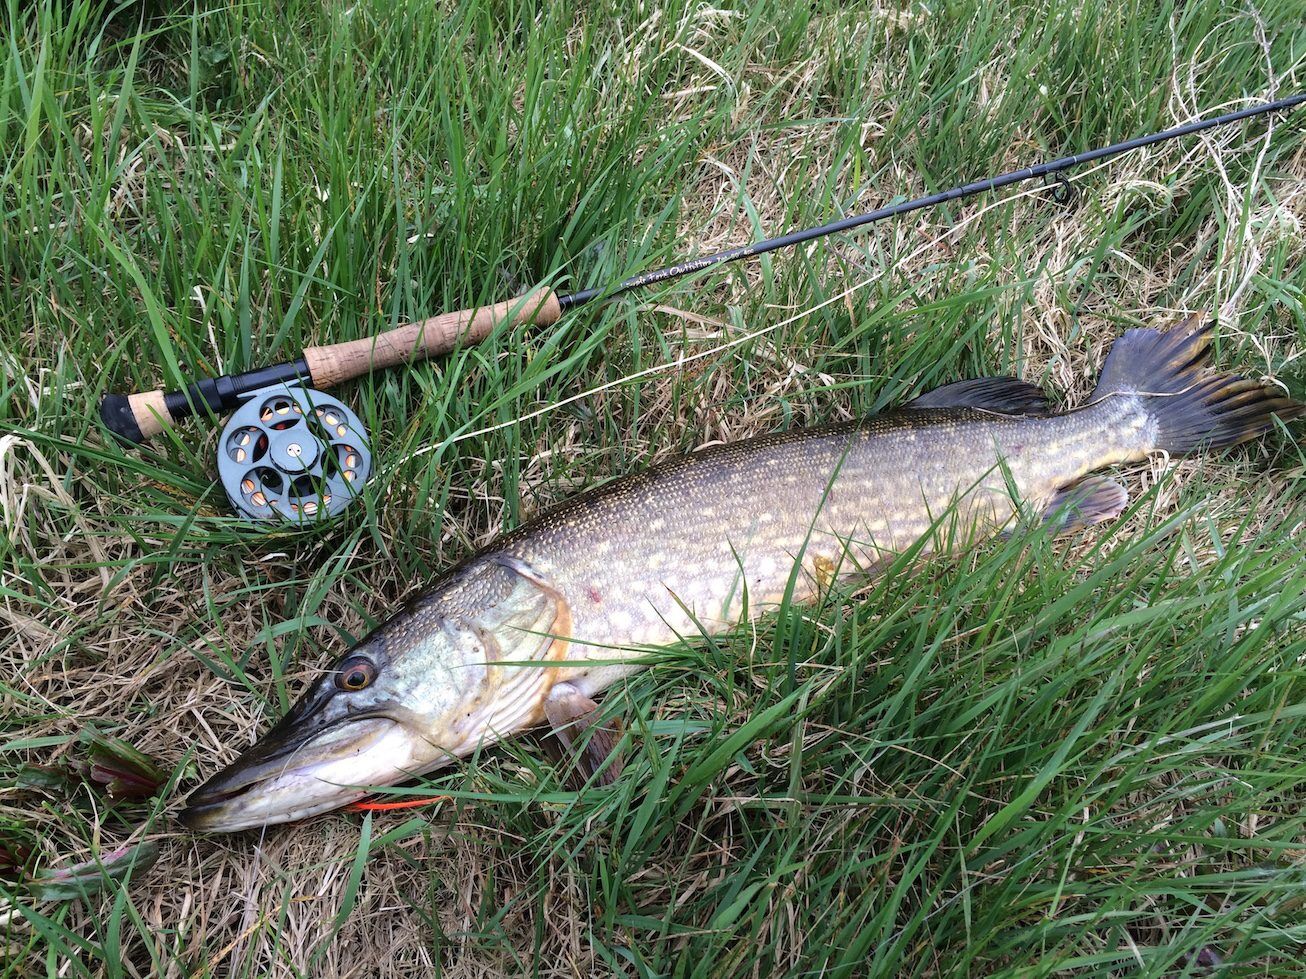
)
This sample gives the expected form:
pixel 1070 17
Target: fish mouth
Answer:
pixel 283 779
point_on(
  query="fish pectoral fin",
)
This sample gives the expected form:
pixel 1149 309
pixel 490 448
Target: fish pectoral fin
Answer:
pixel 593 747
pixel 1091 500
pixel 1008 395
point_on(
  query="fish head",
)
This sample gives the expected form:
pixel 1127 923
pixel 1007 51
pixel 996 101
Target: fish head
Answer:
pixel 428 686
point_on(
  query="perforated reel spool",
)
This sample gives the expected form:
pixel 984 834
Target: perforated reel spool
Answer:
pixel 292 454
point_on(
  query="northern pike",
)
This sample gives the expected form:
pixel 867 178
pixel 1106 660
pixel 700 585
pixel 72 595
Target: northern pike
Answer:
pixel 535 626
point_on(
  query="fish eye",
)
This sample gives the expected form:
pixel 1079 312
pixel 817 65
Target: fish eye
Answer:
pixel 355 674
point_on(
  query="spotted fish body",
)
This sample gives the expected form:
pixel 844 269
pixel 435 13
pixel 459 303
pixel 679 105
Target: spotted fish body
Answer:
pixel 536 625
pixel 701 543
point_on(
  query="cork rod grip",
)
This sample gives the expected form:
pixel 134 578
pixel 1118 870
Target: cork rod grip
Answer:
pixel 414 341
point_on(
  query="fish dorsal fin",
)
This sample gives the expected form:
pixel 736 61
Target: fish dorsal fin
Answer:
pixel 1008 395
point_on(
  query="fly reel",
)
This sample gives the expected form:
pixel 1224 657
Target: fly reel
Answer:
pixel 292 454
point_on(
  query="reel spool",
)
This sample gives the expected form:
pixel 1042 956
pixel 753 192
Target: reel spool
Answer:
pixel 292 454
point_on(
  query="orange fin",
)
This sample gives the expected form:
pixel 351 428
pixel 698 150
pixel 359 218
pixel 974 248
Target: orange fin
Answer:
pixel 1093 499
pixel 572 715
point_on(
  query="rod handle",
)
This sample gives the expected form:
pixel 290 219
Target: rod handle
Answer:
pixel 138 417
pixel 336 362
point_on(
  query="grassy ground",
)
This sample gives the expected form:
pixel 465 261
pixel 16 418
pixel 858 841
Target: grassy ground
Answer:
pixel 1042 758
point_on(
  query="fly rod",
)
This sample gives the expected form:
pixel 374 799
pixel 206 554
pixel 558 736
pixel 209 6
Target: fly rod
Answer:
pixel 139 416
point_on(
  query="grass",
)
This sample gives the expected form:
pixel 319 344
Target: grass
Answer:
pixel 1041 758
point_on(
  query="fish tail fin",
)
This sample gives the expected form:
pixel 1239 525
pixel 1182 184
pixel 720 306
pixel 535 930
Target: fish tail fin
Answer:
pixel 1192 406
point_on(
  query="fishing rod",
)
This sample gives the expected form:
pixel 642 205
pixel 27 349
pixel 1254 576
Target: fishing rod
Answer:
pixel 296 460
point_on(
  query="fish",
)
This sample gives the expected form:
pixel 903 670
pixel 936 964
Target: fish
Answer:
pixel 530 630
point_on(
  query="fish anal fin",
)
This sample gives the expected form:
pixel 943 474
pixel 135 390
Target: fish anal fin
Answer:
pixel 1089 501
pixel 1008 395
pixel 592 747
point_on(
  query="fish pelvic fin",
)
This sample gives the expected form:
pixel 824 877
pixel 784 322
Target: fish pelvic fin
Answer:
pixel 1091 500
pixel 1192 406
pixel 1008 395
